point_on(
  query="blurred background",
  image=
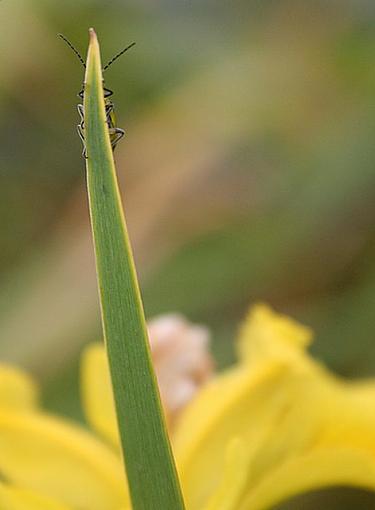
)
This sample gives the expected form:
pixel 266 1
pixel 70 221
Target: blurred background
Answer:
pixel 247 173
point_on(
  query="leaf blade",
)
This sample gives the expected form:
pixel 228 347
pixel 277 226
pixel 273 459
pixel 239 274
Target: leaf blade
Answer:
pixel 150 467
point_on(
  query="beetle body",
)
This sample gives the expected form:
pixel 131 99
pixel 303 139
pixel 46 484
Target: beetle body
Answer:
pixel 115 133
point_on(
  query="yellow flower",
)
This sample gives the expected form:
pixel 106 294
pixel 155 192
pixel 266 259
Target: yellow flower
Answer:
pixel 48 463
pixel 276 424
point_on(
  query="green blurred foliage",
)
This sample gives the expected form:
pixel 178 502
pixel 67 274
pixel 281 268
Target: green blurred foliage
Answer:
pixel 248 173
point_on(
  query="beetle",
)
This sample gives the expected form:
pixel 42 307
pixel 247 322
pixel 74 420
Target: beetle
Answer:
pixel 115 133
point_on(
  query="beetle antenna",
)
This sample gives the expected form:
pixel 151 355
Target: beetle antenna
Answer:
pixel 118 55
pixel 73 48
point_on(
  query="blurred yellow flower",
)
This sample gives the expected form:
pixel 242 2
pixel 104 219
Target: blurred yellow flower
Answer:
pixel 276 424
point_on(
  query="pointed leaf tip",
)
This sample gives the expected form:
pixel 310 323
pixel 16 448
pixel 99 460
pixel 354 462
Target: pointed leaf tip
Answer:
pixel 92 34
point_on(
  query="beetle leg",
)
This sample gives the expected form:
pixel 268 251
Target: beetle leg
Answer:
pixel 108 109
pixel 81 111
pixel 116 134
pixel 107 92
pixel 81 132
pixel 82 137
pixel 81 114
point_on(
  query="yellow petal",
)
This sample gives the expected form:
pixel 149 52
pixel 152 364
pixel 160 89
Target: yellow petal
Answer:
pixel 232 486
pixel 248 401
pixel 266 334
pixel 315 470
pixel 60 461
pixel 350 416
pixel 97 392
pixel 291 414
pixel 241 403
pixel 12 498
pixel 326 437
pixel 17 389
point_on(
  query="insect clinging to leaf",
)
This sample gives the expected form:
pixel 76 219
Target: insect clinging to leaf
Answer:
pixel 115 133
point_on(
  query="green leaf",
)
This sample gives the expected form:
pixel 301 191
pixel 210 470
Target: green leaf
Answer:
pixel 150 467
